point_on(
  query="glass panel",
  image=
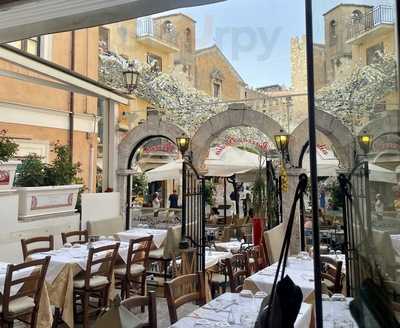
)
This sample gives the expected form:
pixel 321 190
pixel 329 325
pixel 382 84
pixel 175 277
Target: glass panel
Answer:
pixel 32 46
pixel 16 44
pixel 357 116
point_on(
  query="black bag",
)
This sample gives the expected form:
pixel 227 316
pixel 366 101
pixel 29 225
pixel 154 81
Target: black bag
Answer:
pixel 282 306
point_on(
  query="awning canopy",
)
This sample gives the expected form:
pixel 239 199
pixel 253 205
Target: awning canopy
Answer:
pixel 22 19
pixel 226 163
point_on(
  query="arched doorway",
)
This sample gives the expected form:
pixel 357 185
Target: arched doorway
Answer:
pixel 237 115
pixel 154 127
pixel 331 127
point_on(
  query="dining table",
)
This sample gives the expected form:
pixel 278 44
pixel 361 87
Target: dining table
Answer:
pixel 65 264
pixel 235 310
pixel 336 313
pixel 300 270
pixel 159 235
pixel 45 316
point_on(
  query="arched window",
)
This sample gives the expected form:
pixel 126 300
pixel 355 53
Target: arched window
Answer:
pixel 168 27
pixel 188 39
pixel 356 17
pixel 332 32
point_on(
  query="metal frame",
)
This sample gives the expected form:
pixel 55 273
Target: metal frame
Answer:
pixel 193 212
pixel 313 162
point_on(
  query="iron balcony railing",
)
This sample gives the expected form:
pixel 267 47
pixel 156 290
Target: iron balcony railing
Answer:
pixel 147 27
pixel 382 14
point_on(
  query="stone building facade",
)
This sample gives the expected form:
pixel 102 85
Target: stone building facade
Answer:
pixel 216 76
pixel 37 116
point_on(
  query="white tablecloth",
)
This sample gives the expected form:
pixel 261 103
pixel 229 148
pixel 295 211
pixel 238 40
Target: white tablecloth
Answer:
pixel 78 255
pixel 300 271
pixel 16 275
pixel 234 306
pixel 213 257
pixel 396 243
pixel 159 235
pixel 337 312
pixel 230 246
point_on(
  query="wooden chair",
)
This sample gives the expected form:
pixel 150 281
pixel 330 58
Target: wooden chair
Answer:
pixel 331 274
pixel 95 283
pixel 134 272
pixel 237 268
pixel 26 302
pixel 25 243
pixel 141 301
pixel 182 290
pixel 255 258
pixel 82 237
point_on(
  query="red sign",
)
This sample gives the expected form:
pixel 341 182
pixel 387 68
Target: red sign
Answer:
pixel 263 146
pixel 4 178
pixel 166 147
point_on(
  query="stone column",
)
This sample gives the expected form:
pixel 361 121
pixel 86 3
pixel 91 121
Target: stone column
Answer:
pixel 287 200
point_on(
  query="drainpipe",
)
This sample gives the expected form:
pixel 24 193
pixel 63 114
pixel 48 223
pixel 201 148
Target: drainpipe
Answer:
pixel 71 98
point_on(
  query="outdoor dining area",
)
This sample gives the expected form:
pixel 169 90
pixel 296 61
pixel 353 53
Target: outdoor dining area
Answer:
pixel 143 266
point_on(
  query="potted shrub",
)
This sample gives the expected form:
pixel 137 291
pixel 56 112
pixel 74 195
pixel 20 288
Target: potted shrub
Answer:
pixel 8 149
pixel 259 205
pixel 48 188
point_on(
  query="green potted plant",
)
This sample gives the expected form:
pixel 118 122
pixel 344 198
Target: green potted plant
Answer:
pixel 8 166
pixel 48 188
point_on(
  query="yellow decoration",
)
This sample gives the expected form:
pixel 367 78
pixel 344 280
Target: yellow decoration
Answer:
pixel 284 178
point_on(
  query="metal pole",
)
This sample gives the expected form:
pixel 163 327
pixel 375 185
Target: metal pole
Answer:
pixel 280 200
pixel 224 200
pixel 183 244
pixel 303 241
pixel 313 163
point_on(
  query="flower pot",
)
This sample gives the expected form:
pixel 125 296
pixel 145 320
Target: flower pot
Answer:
pixel 258 229
pixel 7 174
pixel 37 201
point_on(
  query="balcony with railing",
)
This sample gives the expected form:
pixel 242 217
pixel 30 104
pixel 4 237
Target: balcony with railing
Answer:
pixel 379 19
pixel 156 34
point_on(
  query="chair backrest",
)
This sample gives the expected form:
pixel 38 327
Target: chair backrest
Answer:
pixel 274 240
pixel 182 290
pixel 82 237
pixel 332 271
pixel 238 270
pixel 26 243
pixel 172 240
pixel 256 254
pixel 138 252
pixel 32 284
pixel 140 301
pixel 105 256
pixel 105 227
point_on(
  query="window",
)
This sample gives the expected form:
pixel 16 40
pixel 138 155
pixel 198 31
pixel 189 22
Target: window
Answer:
pixel 374 53
pixel 104 38
pixel 217 88
pixel 332 33
pixel 31 45
pixel 188 40
pixel 169 27
pixel 356 17
pixel 155 62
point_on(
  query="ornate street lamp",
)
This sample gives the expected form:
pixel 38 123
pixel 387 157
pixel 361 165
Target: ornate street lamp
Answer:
pixel 365 142
pixel 131 77
pixel 282 142
pixel 183 144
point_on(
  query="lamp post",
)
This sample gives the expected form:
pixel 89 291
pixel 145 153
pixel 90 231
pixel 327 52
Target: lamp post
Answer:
pixel 183 143
pixel 365 142
pixel 131 77
pixel 282 142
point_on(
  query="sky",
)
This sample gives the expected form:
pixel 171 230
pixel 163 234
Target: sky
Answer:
pixel 255 34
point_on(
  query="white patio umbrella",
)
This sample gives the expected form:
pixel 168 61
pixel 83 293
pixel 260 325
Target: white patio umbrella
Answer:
pixel 22 19
pixel 226 163
pixel 327 166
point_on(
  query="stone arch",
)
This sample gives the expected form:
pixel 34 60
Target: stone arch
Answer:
pixel 333 129
pixel 237 115
pixel 154 126
pixel 389 123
